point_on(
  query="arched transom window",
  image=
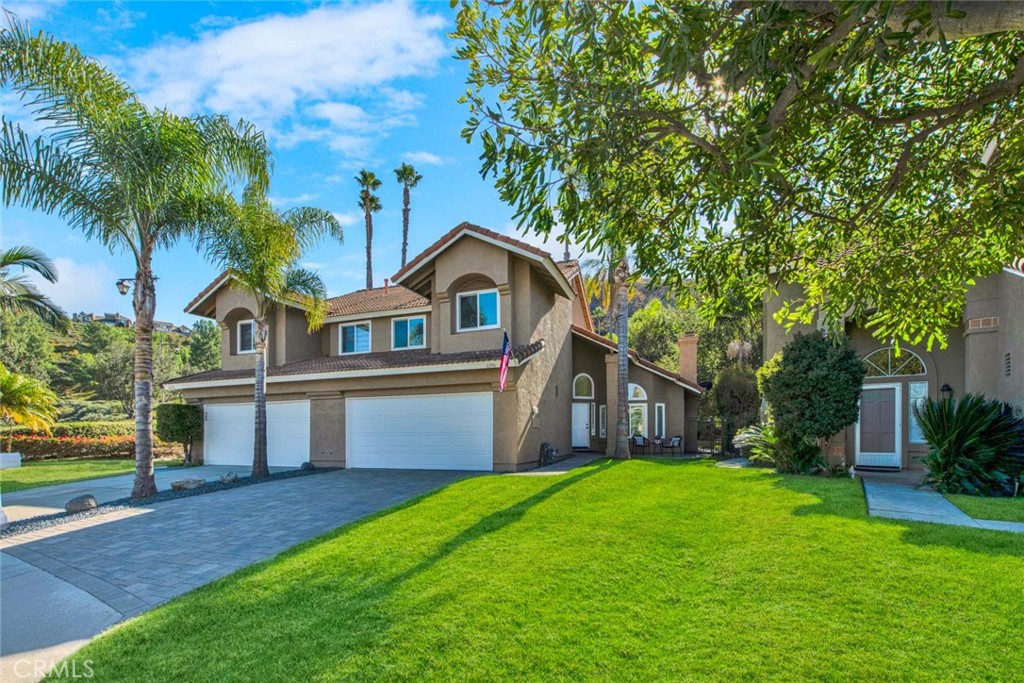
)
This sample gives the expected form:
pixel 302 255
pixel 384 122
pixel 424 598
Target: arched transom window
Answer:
pixel 637 392
pixel 583 386
pixel 885 363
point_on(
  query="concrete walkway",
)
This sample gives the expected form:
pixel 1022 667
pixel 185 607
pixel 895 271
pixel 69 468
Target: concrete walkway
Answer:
pixel 562 466
pixel 63 585
pixel 46 500
pixel 900 500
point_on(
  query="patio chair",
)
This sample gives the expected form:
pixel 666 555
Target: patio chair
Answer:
pixel 673 444
pixel 640 443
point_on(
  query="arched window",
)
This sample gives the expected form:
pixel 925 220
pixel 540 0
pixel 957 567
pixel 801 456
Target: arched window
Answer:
pixel 636 392
pixel 583 386
pixel 885 363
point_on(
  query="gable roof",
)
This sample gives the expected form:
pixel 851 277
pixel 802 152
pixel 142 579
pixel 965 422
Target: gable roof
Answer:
pixel 531 253
pixel 635 357
pixel 363 301
pixel 1016 267
pixel 572 271
pixel 206 292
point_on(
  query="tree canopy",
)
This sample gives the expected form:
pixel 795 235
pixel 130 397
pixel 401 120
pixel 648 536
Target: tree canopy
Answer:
pixel 868 151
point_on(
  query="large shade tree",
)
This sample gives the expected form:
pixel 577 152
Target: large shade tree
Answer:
pixel 868 151
pixel 135 178
pixel 261 247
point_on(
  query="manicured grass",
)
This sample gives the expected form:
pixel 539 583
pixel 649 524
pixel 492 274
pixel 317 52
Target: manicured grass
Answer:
pixel 1000 509
pixel 626 571
pixel 33 473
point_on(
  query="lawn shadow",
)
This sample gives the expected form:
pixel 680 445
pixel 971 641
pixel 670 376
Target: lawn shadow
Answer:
pixel 847 500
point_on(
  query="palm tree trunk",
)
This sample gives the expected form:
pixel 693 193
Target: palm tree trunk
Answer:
pixel 260 468
pixel 369 249
pixel 145 310
pixel 622 329
pixel 405 222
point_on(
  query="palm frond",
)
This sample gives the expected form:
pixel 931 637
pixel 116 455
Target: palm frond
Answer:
pixel 312 224
pixel 26 401
pixel 29 258
pixel 311 290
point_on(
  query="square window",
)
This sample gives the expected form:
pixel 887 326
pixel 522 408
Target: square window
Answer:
pixel 246 336
pixel 409 333
pixel 478 310
pixel 355 338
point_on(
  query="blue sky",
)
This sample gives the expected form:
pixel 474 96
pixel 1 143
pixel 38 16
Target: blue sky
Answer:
pixel 336 87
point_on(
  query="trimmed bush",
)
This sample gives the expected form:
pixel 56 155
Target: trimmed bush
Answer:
pixel 42 447
pixel 969 439
pixel 92 430
pixel 179 423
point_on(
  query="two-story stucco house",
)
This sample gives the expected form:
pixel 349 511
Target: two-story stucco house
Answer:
pixel 406 376
pixel 985 355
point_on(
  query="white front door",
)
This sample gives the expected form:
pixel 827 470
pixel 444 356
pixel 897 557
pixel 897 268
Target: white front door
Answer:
pixel 581 425
pixel 423 432
pixel 879 428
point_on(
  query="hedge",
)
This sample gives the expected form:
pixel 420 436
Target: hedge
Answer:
pixel 91 430
pixel 41 447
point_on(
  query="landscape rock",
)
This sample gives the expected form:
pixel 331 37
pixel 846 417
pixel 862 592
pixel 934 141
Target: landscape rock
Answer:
pixel 81 503
pixel 228 478
pixel 187 484
pixel 307 467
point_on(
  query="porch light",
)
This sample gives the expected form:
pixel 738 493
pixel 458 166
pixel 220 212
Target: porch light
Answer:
pixel 123 286
pixel 946 390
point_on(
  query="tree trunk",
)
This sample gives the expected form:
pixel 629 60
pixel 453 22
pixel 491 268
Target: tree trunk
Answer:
pixel 405 223
pixel 622 330
pixel 145 309
pixel 260 468
pixel 369 249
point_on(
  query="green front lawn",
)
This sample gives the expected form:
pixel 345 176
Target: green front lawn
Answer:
pixel 33 473
pixel 625 571
pixel 1000 509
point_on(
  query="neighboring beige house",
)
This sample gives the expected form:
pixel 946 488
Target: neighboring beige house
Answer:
pixel 406 376
pixel 985 355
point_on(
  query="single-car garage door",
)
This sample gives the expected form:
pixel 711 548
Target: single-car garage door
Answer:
pixel 229 434
pixel 429 432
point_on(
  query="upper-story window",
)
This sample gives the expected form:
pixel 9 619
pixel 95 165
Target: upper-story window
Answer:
pixel 355 337
pixel 409 333
pixel 478 310
pixel 246 336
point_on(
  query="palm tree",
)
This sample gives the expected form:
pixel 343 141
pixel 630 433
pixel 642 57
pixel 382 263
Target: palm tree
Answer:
pixel 599 284
pixel 26 401
pixel 18 295
pixel 409 178
pixel 261 248
pixel 370 204
pixel 134 178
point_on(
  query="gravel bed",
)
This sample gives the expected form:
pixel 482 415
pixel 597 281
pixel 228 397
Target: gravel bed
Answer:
pixel 46 521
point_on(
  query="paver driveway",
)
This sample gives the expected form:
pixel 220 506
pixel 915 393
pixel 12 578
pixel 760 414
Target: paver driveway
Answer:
pixel 132 560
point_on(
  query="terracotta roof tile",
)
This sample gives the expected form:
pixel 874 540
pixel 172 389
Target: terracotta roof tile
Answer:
pixel 382 360
pixel 570 269
pixel 375 300
pixel 207 290
pixel 642 362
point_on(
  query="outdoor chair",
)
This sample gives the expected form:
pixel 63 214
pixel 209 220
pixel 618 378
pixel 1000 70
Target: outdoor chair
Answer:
pixel 640 443
pixel 673 444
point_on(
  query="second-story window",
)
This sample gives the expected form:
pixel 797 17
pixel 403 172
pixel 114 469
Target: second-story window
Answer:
pixel 478 310
pixel 355 337
pixel 409 333
pixel 247 336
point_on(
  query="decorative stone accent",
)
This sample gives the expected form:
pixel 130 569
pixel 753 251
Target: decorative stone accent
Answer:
pixel 228 478
pixel 307 466
pixel 81 503
pixel 187 484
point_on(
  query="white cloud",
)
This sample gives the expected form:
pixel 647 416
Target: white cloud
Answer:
pixel 346 219
pixel 118 17
pixel 84 287
pixel 30 10
pixel 292 201
pixel 326 76
pixel 425 158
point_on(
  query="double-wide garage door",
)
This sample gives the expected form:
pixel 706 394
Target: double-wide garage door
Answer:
pixel 429 432
pixel 230 433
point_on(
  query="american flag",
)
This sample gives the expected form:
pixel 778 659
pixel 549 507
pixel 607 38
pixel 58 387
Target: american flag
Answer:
pixel 506 358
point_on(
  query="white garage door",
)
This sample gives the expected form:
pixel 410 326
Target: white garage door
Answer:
pixel 230 433
pixel 431 432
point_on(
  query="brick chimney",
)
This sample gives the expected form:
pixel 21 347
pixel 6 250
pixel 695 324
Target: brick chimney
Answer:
pixel 688 356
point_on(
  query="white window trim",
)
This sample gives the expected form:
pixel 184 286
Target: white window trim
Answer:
pixel 603 421
pixel 910 411
pixel 592 389
pixel 341 337
pixel 660 408
pixel 647 429
pixel 629 389
pixel 406 348
pixel 458 311
pixel 238 337
pixel 593 419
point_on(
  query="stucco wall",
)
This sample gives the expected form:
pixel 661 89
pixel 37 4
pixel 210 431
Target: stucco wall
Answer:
pixel 994 332
pixel 589 358
pixel 659 390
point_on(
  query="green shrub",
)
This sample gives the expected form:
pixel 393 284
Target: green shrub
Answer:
pixel 736 400
pixel 42 447
pixel 762 444
pixel 82 410
pixel 812 390
pixel 84 429
pixel 179 423
pixel 969 439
